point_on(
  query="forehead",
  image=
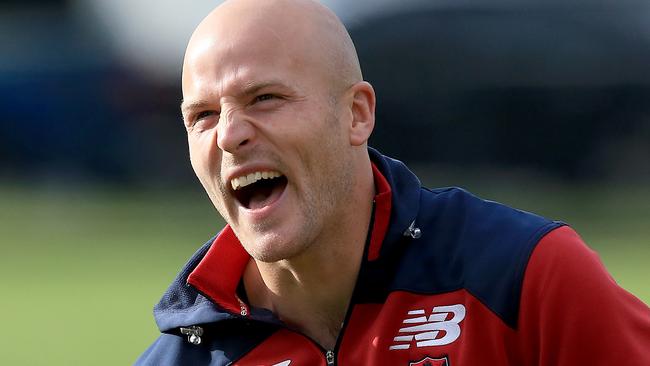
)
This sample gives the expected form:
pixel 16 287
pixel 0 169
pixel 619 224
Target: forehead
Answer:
pixel 232 59
pixel 212 63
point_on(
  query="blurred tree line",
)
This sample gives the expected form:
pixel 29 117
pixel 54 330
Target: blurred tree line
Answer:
pixel 560 88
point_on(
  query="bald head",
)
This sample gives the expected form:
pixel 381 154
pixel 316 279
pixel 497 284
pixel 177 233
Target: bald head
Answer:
pixel 304 31
pixel 275 86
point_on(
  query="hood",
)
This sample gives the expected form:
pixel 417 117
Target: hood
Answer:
pixel 182 305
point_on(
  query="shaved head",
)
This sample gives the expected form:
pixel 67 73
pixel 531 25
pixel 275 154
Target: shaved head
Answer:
pixel 306 31
pixel 275 87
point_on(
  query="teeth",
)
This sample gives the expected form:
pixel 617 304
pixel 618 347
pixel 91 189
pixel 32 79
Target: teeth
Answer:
pixel 251 178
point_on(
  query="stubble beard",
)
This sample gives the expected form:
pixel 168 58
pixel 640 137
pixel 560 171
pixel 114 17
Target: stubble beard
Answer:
pixel 321 209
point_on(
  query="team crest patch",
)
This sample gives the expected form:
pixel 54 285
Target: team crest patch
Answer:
pixel 428 361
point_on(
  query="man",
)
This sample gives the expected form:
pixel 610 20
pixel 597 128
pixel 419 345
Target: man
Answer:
pixel 333 253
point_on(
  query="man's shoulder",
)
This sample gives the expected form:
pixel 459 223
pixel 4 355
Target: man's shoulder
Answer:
pixel 474 244
pixel 476 230
pixel 460 208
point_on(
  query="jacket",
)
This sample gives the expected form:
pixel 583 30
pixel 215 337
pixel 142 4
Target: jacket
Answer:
pixel 447 279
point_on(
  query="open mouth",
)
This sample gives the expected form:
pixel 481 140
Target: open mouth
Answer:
pixel 259 189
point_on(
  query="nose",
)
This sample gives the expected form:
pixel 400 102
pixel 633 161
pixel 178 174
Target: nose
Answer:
pixel 234 131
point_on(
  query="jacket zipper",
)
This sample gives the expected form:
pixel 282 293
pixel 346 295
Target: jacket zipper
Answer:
pixel 330 357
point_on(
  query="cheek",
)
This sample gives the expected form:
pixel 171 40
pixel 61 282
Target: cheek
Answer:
pixel 205 159
pixel 204 153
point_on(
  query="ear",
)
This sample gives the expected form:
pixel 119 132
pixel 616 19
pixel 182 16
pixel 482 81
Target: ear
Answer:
pixel 363 113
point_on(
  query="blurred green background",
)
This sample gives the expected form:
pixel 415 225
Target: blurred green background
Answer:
pixel 82 267
pixel 543 105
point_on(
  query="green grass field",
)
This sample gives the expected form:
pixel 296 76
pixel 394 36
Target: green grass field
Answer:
pixel 82 268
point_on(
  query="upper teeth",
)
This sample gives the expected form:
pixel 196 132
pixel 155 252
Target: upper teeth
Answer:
pixel 251 178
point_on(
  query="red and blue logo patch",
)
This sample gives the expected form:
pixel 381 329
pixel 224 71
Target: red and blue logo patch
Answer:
pixel 428 361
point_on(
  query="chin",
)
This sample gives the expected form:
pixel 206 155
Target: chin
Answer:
pixel 273 250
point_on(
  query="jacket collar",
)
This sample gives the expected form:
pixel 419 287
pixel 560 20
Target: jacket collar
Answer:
pixel 215 271
pixel 405 198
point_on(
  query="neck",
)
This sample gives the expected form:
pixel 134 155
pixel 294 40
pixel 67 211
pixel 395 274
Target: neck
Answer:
pixel 312 292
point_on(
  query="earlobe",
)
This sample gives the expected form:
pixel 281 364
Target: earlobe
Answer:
pixel 363 113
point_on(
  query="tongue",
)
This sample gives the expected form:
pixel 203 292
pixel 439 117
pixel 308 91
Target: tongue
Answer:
pixel 258 200
pixel 263 197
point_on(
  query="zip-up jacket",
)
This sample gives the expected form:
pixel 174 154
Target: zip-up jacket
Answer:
pixel 447 279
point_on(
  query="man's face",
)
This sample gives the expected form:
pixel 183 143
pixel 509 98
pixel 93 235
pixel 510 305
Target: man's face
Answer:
pixel 267 141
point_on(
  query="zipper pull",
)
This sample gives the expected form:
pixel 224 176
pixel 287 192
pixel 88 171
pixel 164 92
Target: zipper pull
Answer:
pixel 329 357
pixel 193 334
pixel 412 231
pixel 243 308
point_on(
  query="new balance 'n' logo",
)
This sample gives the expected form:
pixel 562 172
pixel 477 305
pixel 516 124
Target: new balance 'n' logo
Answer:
pixel 432 330
pixel 283 363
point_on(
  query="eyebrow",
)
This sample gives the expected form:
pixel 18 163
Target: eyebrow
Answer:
pixel 248 89
pixel 185 107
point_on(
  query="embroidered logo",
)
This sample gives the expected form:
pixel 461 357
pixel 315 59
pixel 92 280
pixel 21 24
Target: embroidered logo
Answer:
pixel 428 361
pixel 432 330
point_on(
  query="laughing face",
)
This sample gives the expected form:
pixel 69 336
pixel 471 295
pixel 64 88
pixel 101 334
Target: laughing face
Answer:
pixel 269 138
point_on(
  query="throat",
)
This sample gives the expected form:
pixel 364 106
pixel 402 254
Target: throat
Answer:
pixel 322 330
pixel 315 311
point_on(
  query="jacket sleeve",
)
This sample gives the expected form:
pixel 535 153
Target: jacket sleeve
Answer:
pixel 573 312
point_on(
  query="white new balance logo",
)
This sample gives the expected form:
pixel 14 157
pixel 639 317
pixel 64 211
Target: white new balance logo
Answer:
pixel 425 330
pixel 283 363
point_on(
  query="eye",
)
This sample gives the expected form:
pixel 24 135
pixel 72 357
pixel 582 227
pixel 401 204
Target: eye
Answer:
pixel 204 114
pixel 263 97
pixel 201 119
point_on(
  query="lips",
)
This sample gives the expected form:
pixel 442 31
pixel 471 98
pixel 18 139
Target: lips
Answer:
pixel 259 189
